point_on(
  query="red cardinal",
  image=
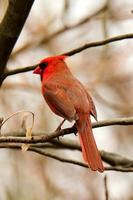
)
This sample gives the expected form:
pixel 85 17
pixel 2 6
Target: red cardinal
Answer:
pixel 68 98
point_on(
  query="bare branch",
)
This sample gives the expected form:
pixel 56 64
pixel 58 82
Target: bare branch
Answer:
pixel 112 159
pixel 124 121
pixel 66 28
pixel 108 157
pixel 60 31
pixel 116 159
pixel 73 52
pixel 36 148
pixel 19 70
pixel 99 43
pixel 70 161
pixel 121 169
pixel 106 188
pixel 47 137
pixel 40 142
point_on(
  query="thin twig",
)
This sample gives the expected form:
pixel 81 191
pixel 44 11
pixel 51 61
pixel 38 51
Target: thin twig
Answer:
pixel 19 70
pixel 70 27
pixel 1 121
pixel 100 43
pixel 16 113
pixel 106 188
pixel 124 121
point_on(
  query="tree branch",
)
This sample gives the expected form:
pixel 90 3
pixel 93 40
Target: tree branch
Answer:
pixel 108 157
pixel 19 70
pixel 47 137
pixel 100 43
pixel 70 27
pixel 73 52
pixel 10 29
pixel 106 188
pixel 60 31
pixel 112 159
pixel 70 161
pixel 65 160
pixel 40 142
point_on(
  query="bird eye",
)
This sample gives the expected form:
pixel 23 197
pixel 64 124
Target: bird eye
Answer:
pixel 43 65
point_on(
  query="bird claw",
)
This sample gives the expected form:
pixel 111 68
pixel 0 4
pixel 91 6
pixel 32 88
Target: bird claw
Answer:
pixel 75 129
pixel 59 129
pixel 60 125
pixel 58 138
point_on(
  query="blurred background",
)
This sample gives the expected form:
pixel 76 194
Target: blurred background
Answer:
pixel 52 28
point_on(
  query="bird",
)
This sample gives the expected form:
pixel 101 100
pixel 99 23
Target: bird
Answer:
pixel 67 97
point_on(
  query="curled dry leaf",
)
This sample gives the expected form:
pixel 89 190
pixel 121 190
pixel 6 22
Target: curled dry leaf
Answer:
pixel 23 125
pixel 25 147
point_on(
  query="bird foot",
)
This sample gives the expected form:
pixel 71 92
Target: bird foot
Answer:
pixel 59 128
pixel 75 129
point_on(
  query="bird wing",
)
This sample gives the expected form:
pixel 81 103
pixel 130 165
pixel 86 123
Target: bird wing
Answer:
pixel 59 102
pixel 87 103
pixel 92 105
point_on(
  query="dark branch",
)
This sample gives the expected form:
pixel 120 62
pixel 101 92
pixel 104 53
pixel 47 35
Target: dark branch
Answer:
pixel 40 142
pixel 108 157
pixel 47 137
pixel 10 29
pixel 99 43
pixel 112 159
pixel 106 188
pixel 70 161
pixel 19 70
pixel 75 51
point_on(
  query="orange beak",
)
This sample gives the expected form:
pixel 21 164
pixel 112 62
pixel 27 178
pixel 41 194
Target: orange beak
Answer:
pixel 37 70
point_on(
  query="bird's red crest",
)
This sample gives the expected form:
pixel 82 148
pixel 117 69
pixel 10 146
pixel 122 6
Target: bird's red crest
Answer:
pixel 48 60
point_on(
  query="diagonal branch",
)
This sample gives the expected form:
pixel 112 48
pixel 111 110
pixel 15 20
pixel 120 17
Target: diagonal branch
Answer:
pixel 10 29
pixel 112 159
pixel 74 162
pixel 70 27
pixel 108 157
pixel 100 43
pixel 19 70
pixel 70 161
pixel 73 52
pixel 60 31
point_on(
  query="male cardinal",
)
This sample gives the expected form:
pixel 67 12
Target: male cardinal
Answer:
pixel 68 98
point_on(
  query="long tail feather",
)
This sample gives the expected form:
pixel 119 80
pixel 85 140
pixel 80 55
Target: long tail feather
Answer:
pixel 89 149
